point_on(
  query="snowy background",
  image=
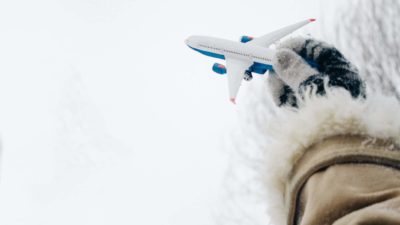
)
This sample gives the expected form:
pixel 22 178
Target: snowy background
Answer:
pixel 107 117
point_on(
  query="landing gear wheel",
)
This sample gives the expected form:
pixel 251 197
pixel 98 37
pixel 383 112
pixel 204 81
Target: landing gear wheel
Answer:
pixel 247 76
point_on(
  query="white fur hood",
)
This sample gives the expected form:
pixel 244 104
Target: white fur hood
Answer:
pixel 290 132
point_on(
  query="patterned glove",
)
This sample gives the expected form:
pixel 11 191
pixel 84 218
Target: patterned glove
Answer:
pixel 302 63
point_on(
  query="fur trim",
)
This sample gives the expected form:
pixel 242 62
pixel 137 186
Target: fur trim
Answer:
pixel 290 132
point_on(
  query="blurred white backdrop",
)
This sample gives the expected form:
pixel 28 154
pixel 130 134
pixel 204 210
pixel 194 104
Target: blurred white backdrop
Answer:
pixel 107 117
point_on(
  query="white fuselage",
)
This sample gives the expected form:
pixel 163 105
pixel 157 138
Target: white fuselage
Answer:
pixel 221 48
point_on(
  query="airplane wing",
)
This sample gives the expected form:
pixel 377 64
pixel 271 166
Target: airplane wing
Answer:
pixel 270 38
pixel 235 73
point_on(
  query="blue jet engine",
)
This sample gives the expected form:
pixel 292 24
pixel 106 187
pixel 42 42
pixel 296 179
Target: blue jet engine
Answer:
pixel 219 68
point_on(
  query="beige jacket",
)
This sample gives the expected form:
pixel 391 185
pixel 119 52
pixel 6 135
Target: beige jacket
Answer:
pixel 345 180
pixel 334 161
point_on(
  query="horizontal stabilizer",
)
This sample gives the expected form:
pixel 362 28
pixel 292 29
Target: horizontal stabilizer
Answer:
pixel 245 39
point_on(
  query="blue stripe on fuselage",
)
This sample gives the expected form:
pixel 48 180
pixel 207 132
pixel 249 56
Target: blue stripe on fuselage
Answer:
pixel 211 54
pixel 259 68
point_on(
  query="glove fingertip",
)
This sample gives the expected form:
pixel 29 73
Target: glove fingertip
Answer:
pixel 295 43
pixel 284 59
pixel 292 68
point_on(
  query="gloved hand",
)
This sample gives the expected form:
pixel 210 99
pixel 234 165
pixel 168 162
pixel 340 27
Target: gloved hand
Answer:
pixel 302 63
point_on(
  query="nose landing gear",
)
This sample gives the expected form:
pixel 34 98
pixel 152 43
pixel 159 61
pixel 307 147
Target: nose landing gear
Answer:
pixel 247 76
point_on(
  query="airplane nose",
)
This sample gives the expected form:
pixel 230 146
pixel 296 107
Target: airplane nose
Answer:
pixel 187 41
pixel 190 41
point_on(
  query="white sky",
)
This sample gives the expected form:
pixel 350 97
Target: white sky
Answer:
pixel 108 118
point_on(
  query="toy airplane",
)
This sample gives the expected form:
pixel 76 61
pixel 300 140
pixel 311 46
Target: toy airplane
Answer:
pixel 242 58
